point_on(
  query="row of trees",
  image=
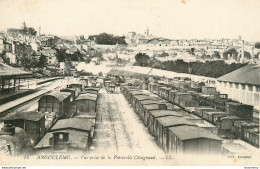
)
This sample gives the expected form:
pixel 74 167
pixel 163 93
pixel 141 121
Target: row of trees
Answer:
pixel 107 39
pixel 213 69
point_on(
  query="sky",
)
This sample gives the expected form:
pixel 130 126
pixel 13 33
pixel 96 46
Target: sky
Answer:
pixel 174 19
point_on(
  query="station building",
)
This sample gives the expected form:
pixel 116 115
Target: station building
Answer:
pixel 242 85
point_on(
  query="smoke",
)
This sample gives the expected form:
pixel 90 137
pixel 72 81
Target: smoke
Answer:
pixel 91 67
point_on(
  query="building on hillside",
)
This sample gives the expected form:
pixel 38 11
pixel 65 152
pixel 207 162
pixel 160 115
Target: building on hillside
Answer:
pixel 242 85
pixel 51 55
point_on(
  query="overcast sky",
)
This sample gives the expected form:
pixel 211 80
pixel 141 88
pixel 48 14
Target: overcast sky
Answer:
pixel 174 19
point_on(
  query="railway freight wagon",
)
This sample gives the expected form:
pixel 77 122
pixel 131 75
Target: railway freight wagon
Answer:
pixel 164 92
pixel 71 135
pixel 162 123
pixel 133 93
pixel 220 103
pixel 86 103
pixel 199 110
pixel 186 139
pixel 139 98
pixel 77 86
pixel 240 126
pixel 179 97
pixel 153 114
pixel 211 116
pixel 172 95
pixel 240 110
pixel 209 90
pixel 56 102
pixel 141 103
pixel 72 91
pixel 252 136
pixel 156 88
pixel 84 82
pixel 146 108
pixel 226 125
pixel 91 90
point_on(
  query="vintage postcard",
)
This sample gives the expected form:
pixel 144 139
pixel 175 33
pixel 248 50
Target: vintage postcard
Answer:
pixel 129 83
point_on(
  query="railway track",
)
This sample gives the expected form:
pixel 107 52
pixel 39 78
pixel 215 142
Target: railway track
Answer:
pixel 25 106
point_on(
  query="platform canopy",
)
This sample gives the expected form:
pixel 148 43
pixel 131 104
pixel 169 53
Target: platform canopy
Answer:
pixel 8 71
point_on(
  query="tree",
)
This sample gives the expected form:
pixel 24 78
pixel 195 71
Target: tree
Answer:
pixel 215 55
pixel 164 54
pixel 232 52
pixel 29 61
pixel 31 31
pixel 247 55
pixel 192 51
pixel 42 61
pixel 108 39
pixel 142 59
pixel 61 55
pixel 100 74
pixel 257 45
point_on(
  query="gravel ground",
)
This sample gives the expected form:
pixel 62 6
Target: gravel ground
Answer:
pixel 119 129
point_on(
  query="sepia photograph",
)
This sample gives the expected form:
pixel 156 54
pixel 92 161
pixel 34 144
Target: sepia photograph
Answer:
pixel 129 83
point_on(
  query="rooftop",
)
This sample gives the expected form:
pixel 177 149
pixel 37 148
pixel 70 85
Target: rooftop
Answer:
pixel 161 113
pixel 77 139
pixel 151 107
pixel 32 116
pixel 174 121
pixel 192 132
pixel 72 123
pixel 6 70
pixel 249 74
pixel 87 96
pixel 59 95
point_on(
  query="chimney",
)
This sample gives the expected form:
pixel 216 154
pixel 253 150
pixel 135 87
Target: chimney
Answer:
pixel 39 31
pixel 253 53
pixel 242 51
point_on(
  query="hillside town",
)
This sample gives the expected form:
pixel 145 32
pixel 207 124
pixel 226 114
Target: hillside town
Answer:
pixel 44 54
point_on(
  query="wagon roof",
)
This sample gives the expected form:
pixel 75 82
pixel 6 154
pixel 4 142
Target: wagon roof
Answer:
pixel 182 93
pixel 165 87
pixel 91 88
pixel 174 91
pixel 230 118
pixel 136 92
pixel 67 89
pixel 75 123
pixel 78 139
pixel 89 91
pixel 173 121
pixel 246 123
pixel 59 95
pixel 204 107
pixel 161 113
pixel 152 101
pixel 75 84
pixel 151 106
pixel 235 148
pixel 87 96
pixel 186 132
pixel 32 116
pixel 216 112
pixel 146 97
pixel 238 104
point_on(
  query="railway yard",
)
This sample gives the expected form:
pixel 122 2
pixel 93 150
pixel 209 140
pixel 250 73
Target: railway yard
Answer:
pixel 95 115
